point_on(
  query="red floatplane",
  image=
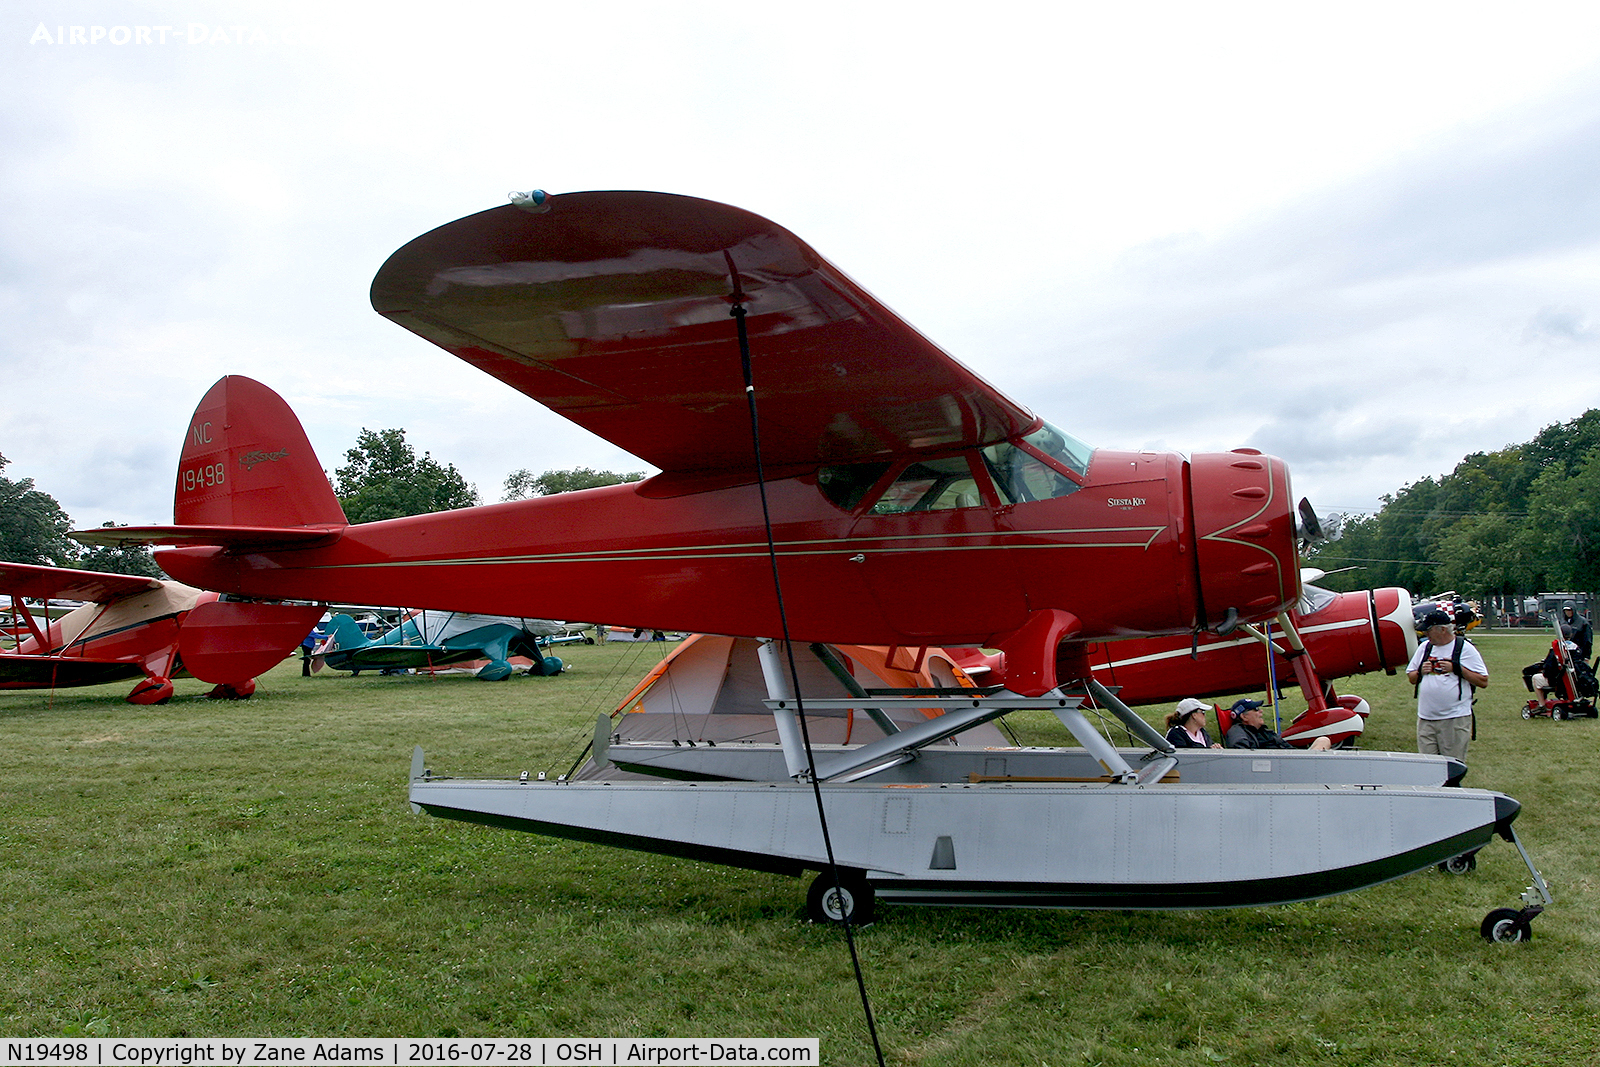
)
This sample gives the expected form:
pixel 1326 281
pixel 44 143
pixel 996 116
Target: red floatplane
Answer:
pixel 819 459
pixel 882 459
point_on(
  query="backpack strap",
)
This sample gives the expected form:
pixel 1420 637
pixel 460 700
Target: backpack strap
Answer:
pixel 1455 663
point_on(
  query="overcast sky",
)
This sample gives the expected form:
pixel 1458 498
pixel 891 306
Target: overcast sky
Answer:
pixel 1361 236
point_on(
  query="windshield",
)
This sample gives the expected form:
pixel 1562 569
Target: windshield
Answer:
pixel 1313 598
pixel 1062 446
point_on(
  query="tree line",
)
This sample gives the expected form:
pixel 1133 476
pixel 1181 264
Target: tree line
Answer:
pixel 383 478
pixel 33 529
pixel 1520 520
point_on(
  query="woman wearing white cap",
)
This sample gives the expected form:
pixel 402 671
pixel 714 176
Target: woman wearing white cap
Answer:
pixel 1186 726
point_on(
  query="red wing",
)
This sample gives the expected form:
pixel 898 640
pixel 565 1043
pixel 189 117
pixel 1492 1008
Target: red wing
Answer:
pixel 612 309
pixel 44 583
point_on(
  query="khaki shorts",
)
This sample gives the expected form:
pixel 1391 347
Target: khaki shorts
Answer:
pixel 1445 737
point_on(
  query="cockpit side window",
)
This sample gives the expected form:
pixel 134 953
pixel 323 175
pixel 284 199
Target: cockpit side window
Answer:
pixel 931 485
pixel 1035 468
pixel 846 485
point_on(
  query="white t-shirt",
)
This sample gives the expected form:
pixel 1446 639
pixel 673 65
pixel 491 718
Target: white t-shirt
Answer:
pixel 1437 697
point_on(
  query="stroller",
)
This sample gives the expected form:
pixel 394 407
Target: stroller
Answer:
pixel 1569 682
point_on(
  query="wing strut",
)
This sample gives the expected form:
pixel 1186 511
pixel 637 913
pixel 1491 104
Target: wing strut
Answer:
pixel 1305 672
pixel 19 607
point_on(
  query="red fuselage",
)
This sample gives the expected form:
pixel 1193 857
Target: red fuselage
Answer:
pixel 1147 543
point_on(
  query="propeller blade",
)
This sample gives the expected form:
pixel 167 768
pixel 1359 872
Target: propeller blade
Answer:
pixel 1310 526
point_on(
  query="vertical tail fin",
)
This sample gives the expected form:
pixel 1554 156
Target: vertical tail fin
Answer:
pixel 344 635
pixel 246 462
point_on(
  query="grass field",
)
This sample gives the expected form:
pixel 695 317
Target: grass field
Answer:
pixel 243 869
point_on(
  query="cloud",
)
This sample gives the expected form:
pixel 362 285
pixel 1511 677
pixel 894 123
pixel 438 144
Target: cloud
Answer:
pixel 1373 333
pixel 1101 210
pixel 1560 326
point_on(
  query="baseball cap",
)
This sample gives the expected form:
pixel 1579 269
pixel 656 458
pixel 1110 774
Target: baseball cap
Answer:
pixel 1189 705
pixel 1436 617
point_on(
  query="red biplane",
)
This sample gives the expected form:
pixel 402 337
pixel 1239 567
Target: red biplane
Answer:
pixel 1325 636
pixel 133 626
pixel 882 459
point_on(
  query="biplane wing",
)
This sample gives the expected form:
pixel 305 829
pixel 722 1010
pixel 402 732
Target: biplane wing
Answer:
pixel 18 580
pixel 612 309
pixel 385 657
pixel 58 672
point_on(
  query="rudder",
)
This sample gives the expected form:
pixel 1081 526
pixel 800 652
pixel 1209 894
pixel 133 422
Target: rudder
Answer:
pixel 246 461
pixel 345 635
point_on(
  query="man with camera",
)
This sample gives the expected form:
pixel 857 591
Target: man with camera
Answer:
pixel 1445 669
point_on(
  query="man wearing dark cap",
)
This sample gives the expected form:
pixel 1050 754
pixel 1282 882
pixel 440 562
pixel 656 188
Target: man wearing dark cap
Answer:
pixel 1249 730
pixel 1445 669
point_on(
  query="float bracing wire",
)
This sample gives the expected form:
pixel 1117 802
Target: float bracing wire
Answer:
pixel 738 313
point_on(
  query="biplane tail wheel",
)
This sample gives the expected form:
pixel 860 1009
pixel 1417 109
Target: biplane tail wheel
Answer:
pixel 851 898
pixel 1506 926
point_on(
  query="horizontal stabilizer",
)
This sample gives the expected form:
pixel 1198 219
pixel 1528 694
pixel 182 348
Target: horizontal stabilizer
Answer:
pixel 230 641
pixel 387 657
pixel 233 537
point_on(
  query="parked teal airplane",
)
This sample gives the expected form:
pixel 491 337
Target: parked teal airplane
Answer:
pixel 428 639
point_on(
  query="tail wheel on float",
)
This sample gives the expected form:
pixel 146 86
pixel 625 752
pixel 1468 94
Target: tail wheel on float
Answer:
pixel 851 898
pixel 1467 861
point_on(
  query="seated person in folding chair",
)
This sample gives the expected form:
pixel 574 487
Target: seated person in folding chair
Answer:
pixel 1186 726
pixel 1249 730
